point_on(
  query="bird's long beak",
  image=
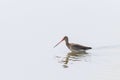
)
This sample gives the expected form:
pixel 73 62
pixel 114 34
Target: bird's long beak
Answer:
pixel 58 43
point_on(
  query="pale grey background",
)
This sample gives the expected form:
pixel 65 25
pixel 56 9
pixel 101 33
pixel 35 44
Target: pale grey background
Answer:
pixel 30 28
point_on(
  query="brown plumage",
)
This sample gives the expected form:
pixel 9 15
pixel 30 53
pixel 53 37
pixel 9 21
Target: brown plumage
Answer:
pixel 72 46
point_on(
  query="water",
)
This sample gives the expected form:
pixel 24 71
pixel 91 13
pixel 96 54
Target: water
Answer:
pixel 30 29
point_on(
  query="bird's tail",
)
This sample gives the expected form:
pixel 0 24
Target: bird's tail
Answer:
pixel 89 48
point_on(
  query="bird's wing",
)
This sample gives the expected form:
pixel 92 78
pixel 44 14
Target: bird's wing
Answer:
pixel 77 47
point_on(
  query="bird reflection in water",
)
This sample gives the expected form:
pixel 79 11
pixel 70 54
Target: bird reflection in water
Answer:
pixel 72 57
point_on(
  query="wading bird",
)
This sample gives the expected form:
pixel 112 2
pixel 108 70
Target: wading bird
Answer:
pixel 72 46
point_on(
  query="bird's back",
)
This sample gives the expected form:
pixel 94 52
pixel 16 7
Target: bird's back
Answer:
pixel 77 47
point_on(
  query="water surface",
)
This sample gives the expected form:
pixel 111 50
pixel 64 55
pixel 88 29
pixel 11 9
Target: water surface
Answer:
pixel 30 29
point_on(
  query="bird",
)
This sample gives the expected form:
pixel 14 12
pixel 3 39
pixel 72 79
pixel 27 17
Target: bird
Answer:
pixel 72 46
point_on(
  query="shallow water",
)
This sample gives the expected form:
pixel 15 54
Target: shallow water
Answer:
pixel 29 32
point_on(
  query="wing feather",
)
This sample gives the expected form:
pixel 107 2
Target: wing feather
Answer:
pixel 78 47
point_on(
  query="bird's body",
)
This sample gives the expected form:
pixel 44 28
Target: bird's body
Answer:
pixel 74 47
pixel 77 48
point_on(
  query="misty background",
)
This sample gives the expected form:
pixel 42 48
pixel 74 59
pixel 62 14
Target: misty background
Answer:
pixel 30 28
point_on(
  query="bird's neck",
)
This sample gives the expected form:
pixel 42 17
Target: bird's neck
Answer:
pixel 67 42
